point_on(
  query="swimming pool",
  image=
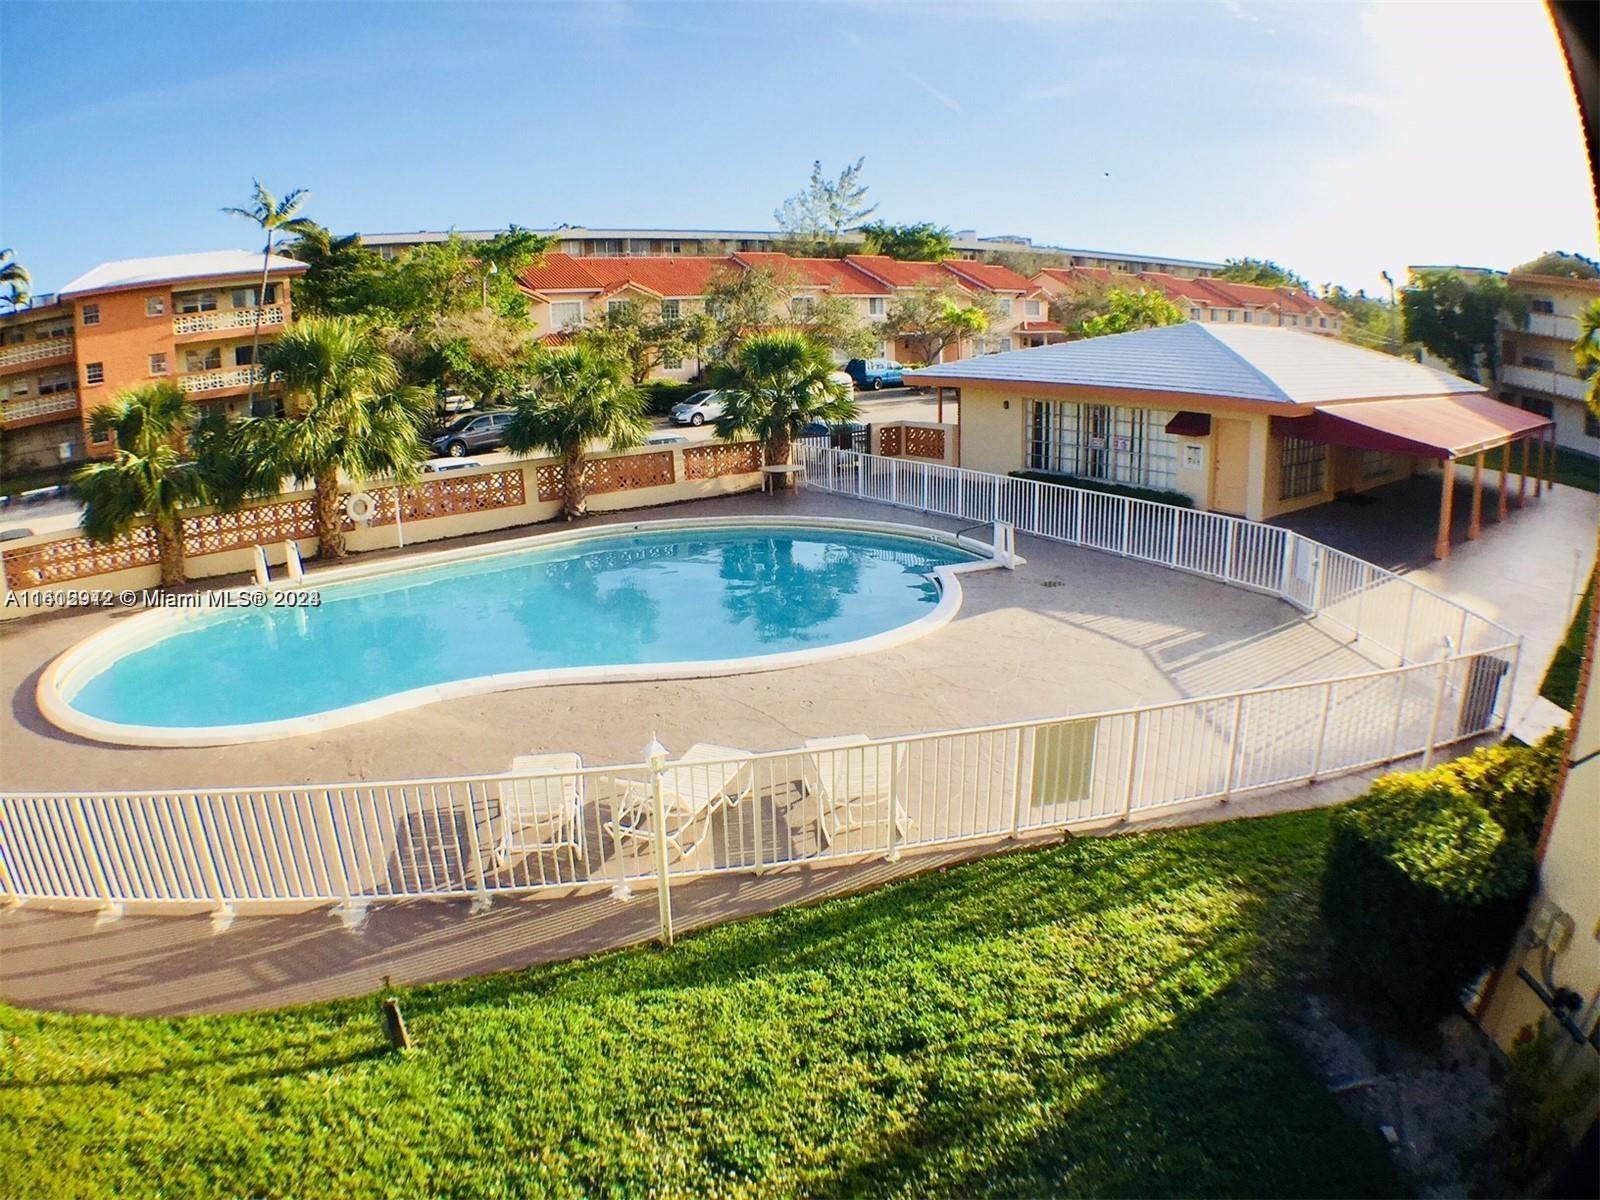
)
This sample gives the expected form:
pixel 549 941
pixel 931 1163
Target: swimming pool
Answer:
pixel 655 600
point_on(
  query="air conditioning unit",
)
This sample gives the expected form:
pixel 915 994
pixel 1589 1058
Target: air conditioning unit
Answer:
pixel 68 451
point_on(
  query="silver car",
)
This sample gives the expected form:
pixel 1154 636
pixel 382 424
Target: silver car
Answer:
pixel 698 408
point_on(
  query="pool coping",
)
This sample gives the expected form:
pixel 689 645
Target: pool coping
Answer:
pixel 146 628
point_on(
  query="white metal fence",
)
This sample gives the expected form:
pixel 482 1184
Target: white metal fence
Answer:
pixel 716 810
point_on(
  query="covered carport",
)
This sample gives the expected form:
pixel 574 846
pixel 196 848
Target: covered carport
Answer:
pixel 1448 429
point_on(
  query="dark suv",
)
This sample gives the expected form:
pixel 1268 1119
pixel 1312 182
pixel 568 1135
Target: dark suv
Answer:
pixel 473 434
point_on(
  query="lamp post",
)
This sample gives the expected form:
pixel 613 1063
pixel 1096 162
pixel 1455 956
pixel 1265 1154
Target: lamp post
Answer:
pixel 493 270
pixel 1394 312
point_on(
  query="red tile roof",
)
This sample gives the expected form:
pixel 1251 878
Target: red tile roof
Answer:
pixel 1039 327
pixel 990 276
pixel 896 273
pixel 833 273
pixel 558 272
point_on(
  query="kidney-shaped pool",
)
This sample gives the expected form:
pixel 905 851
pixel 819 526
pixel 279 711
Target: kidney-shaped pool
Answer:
pixel 678 600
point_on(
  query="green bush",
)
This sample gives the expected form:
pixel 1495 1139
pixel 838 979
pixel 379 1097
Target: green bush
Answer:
pixel 661 394
pixel 1428 875
pixel 1159 495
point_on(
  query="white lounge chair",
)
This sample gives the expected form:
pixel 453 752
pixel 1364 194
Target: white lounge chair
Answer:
pixel 853 779
pixel 540 815
pixel 695 786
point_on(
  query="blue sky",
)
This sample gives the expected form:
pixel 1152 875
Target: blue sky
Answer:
pixel 1340 139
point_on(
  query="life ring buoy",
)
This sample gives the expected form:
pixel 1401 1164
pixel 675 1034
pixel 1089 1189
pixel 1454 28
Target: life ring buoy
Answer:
pixel 361 507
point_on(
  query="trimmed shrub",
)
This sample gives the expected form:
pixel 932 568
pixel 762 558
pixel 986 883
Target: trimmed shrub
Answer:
pixel 661 394
pixel 1159 495
pixel 1428 875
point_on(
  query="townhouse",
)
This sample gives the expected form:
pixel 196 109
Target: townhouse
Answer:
pixel 187 317
pixel 1209 301
pixel 565 293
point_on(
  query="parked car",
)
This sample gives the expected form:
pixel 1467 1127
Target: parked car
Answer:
pixel 874 373
pixel 473 433
pixel 665 439
pixel 841 435
pixel 455 402
pixel 698 408
pixel 438 466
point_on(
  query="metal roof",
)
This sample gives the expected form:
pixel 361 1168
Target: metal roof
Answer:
pixel 1245 362
pixel 170 268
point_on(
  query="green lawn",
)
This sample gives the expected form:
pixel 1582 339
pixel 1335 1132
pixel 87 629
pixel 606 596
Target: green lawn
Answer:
pixel 1572 469
pixel 1560 684
pixel 1100 1018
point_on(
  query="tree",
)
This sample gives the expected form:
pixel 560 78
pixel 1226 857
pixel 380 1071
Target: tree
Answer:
pixel 345 411
pixel 1368 320
pixel 815 219
pixel 274 216
pixel 1586 353
pixel 636 334
pixel 1129 309
pixel 922 242
pixel 149 471
pixel 1459 319
pixel 480 354
pixel 742 302
pixel 773 386
pixel 933 319
pixel 342 277
pixel 1562 263
pixel 1261 271
pixel 583 397
pixel 16 278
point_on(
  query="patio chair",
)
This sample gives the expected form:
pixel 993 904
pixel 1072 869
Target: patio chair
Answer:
pixel 541 815
pixel 853 779
pixel 697 785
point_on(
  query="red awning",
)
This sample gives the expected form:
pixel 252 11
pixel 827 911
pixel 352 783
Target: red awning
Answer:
pixel 1438 427
pixel 1190 424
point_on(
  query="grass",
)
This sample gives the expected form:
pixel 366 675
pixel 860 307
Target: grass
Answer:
pixel 1100 1018
pixel 1573 469
pixel 1560 685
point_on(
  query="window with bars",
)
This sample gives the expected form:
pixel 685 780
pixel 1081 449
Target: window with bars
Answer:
pixel 1102 441
pixel 1303 467
pixel 1374 464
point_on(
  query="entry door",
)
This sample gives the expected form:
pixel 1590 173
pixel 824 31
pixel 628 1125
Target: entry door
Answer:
pixel 1230 466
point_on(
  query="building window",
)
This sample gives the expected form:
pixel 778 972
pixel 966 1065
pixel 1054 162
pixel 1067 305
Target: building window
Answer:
pixel 155 306
pixel 1231 315
pixel 50 384
pixel 94 373
pixel 1322 322
pixel 1102 441
pixel 1541 304
pixel 1304 465
pixel 1591 424
pixel 91 314
pixel 243 356
pixel 1375 464
pixel 1535 404
pixel 1248 316
pixel 880 349
pixel 564 314
pixel 1194 314
pixel 671 361
pixel 674 247
pixel 102 438
pixel 197 302
pixel 246 297
pixel 158 364
pixel 1213 314
pixel 1031 308
pixel 1539 361
pixel 209 360
pixel 670 309
pixel 1003 305
pixel 875 306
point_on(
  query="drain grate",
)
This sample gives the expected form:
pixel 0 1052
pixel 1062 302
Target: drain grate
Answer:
pixel 1051 583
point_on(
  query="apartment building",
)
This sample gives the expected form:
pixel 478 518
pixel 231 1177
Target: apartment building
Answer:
pixel 1537 369
pixel 565 292
pixel 578 241
pixel 1207 300
pixel 188 317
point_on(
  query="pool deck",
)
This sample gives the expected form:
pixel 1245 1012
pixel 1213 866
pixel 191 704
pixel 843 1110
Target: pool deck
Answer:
pixel 1070 631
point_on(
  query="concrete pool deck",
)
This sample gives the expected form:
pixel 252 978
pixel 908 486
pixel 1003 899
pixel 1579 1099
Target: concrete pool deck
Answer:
pixel 1071 631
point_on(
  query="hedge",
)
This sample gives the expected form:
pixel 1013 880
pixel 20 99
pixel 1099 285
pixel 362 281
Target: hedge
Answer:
pixel 1429 873
pixel 661 394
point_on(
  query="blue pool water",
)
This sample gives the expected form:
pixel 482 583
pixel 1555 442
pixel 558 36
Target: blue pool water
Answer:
pixel 668 596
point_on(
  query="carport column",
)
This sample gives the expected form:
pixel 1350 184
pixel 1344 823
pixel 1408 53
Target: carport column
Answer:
pixel 1538 469
pixel 1503 509
pixel 1475 525
pixel 1441 544
pixel 1522 475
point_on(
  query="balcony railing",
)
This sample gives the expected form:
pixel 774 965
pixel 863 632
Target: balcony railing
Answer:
pixel 218 381
pixel 35 351
pixel 1550 325
pixel 39 406
pixel 232 318
pixel 1552 383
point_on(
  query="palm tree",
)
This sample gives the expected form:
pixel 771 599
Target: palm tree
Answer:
pixel 150 471
pixel 273 216
pixel 1586 352
pixel 773 385
pixel 580 397
pixel 16 278
pixel 344 411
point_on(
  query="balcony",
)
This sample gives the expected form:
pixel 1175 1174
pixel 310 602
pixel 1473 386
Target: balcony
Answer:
pixel 1550 325
pixel 227 319
pixel 26 352
pixel 1551 383
pixel 39 406
pixel 221 381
